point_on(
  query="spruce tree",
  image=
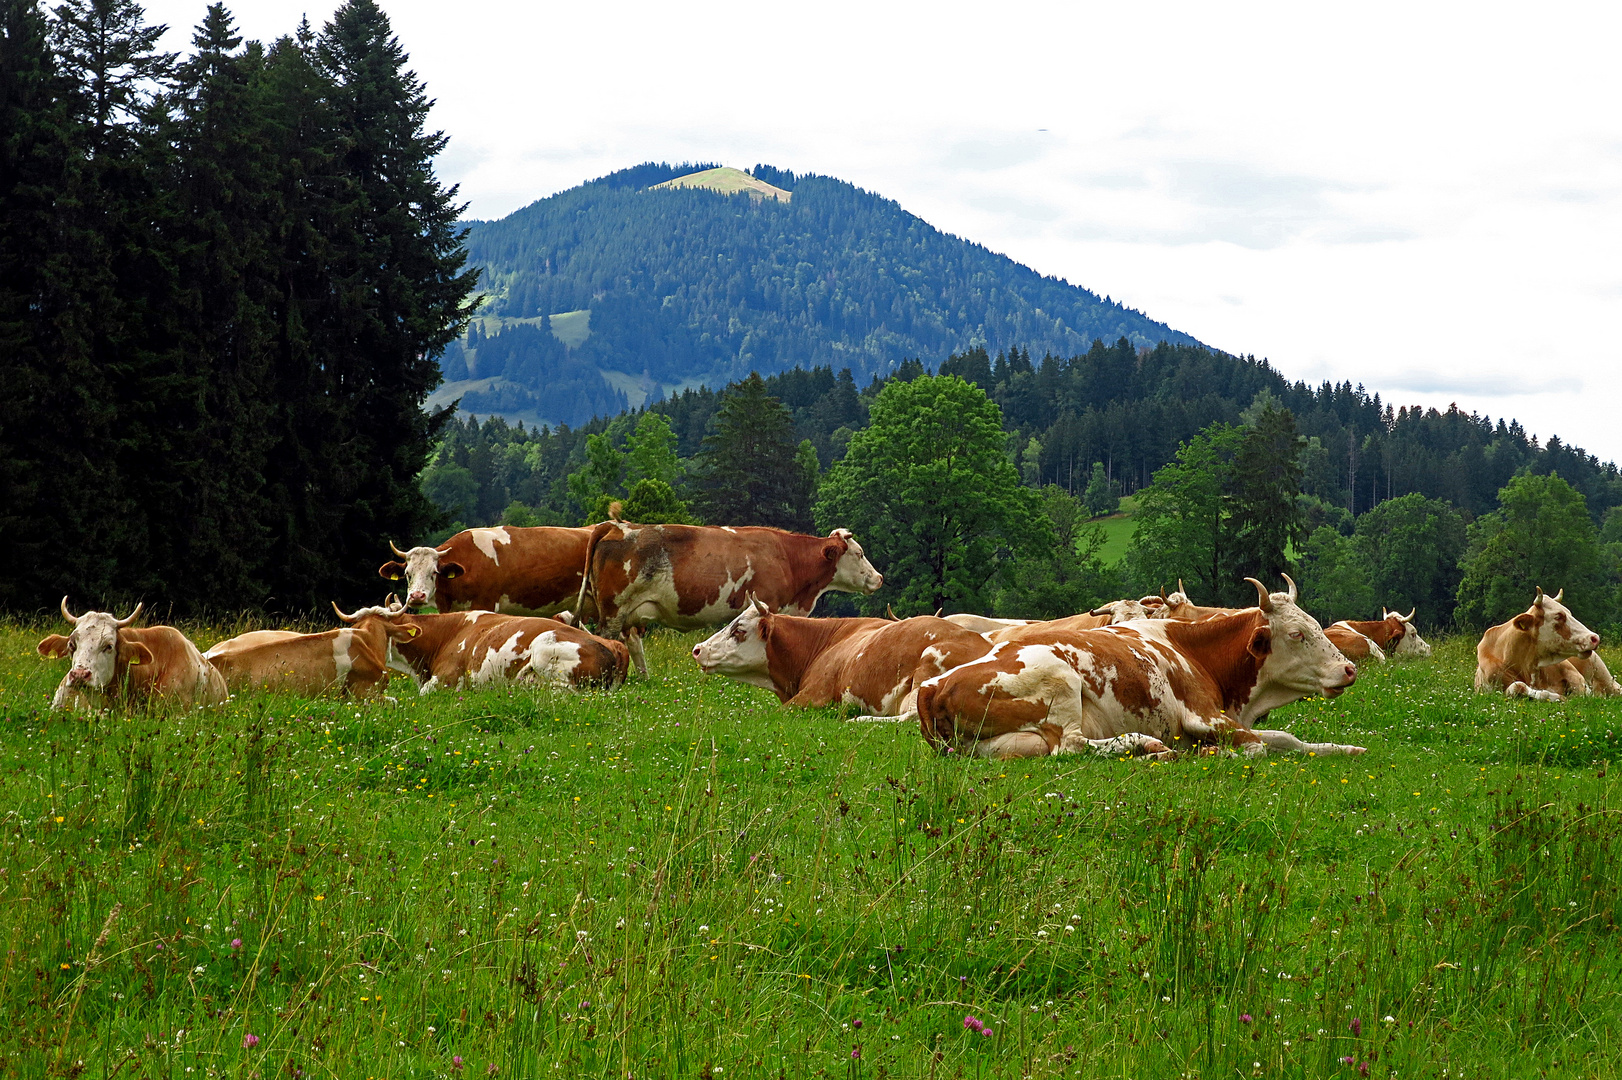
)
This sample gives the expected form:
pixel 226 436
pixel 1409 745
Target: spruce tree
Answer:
pixel 748 471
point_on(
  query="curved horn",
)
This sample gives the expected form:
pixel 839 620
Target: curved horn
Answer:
pixel 1105 610
pixel 341 615
pixel 1410 616
pixel 1288 581
pixel 1263 599
pixel 1162 592
pixel 1538 599
pixel 126 620
pixel 939 610
pixel 760 607
pixel 1181 589
pixel 1560 594
pixel 398 554
pixel 68 615
pixel 889 613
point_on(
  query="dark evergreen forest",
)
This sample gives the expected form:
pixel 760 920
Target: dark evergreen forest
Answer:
pixel 1123 407
pixel 225 279
pixel 691 284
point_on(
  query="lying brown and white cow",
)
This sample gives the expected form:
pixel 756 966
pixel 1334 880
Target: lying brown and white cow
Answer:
pixel 873 664
pixel 1139 687
pixel 1116 611
pixel 484 648
pixel 352 659
pixel 514 571
pixel 1392 634
pixel 689 576
pixel 1178 607
pixel 1543 653
pixel 114 663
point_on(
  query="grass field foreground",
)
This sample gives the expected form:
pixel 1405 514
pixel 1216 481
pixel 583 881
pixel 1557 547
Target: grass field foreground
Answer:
pixel 682 879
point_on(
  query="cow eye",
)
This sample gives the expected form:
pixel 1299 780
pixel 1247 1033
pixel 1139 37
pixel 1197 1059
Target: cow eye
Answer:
pixel 1296 635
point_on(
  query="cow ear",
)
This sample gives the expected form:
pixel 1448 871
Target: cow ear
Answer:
pixel 833 549
pixel 1261 642
pixel 1524 621
pixel 134 653
pixel 451 569
pixel 394 571
pixel 55 646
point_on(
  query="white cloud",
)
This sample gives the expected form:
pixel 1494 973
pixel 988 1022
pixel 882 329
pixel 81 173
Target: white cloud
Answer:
pixel 1426 199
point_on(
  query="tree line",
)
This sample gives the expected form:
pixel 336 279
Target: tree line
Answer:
pixel 910 460
pixel 225 278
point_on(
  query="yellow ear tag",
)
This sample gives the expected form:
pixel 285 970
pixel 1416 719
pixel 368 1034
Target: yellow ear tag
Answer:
pixel 415 630
pixel 135 661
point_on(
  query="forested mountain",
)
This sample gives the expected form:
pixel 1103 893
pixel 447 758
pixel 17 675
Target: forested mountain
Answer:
pixel 687 285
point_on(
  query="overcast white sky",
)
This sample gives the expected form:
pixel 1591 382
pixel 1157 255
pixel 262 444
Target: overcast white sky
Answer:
pixel 1424 198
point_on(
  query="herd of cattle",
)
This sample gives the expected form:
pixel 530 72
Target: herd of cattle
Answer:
pixel 1143 677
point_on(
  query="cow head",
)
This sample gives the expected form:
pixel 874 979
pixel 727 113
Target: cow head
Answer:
pixel 738 649
pixel 96 647
pixel 387 616
pixel 1167 607
pixel 852 572
pixel 1120 611
pixel 421 569
pixel 1556 630
pixel 1405 639
pixel 1297 660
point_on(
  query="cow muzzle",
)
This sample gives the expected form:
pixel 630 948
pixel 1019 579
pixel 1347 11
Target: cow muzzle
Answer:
pixel 79 675
pixel 416 599
pixel 1336 689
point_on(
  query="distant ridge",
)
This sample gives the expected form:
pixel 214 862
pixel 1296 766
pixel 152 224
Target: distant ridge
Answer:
pixel 682 283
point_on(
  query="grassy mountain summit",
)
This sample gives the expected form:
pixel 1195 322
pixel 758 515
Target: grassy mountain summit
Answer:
pixel 728 181
pixel 685 283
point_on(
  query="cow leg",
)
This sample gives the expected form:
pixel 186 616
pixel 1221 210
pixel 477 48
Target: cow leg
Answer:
pixel 1520 689
pixel 1224 729
pixel 1132 744
pixel 1019 744
pixel 903 718
pixel 633 642
pixel 1283 740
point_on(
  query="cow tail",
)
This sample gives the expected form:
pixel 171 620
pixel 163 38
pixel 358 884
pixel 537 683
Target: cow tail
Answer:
pixel 935 733
pixel 600 530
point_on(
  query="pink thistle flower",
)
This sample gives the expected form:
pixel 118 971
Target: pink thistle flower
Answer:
pixel 249 1042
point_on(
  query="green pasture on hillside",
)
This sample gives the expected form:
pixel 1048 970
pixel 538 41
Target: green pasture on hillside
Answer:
pixel 682 879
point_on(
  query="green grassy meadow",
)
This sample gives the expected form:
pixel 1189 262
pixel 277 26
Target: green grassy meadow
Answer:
pixel 681 879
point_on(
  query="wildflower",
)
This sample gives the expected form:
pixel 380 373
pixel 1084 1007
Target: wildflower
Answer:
pixel 585 1004
pixel 236 944
pixel 986 1032
pixel 1389 1020
pixel 1246 1018
pixel 1357 1027
pixel 857 1024
pixel 973 1023
pixel 456 1062
pixel 856 1054
pixel 249 1042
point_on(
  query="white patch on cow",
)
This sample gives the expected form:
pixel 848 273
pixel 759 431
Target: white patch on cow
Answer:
pixel 475 616
pixel 853 573
pixel 342 661
pixel 730 588
pixel 487 539
pixel 730 529
pixel 554 661
pixel 498 664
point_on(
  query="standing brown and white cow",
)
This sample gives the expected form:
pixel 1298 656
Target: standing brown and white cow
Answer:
pixel 114 663
pixel 484 648
pixel 1139 687
pixel 1543 653
pixel 873 664
pixel 512 571
pixel 352 659
pixel 690 576
pixel 1393 633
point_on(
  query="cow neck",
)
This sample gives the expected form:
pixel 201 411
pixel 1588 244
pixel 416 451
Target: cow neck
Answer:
pixel 1520 653
pixel 1221 647
pixel 802 553
pixel 437 632
pixel 795 644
